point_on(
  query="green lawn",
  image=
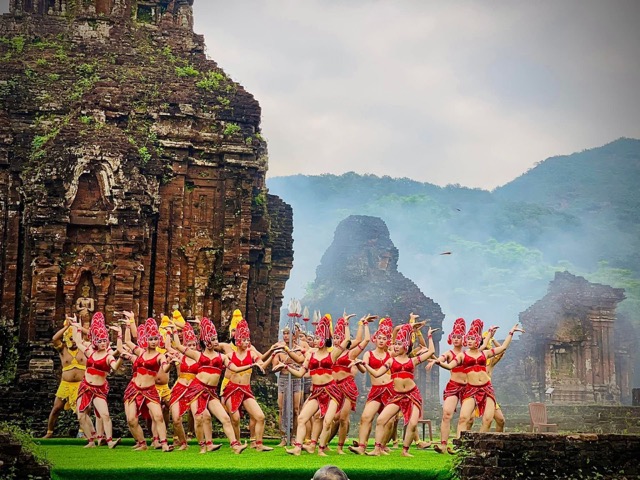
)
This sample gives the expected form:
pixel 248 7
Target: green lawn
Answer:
pixel 71 461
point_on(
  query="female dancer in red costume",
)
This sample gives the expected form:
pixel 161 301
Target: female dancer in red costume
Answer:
pixel 479 391
pixel 381 387
pixel 187 370
pixel 94 387
pixel 238 392
pixel 455 387
pixel 201 394
pixel 344 371
pixel 407 398
pixel 325 396
pixel 141 395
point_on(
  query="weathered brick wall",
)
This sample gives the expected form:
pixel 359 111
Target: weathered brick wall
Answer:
pixel 579 418
pixel 488 456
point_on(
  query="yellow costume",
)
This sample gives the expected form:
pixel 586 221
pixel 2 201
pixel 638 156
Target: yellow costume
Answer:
pixel 69 390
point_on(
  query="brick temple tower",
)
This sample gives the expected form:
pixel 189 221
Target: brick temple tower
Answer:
pixel 132 173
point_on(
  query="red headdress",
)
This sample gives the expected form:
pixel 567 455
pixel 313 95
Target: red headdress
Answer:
pixel 475 330
pixel 459 328
pixel 339 332
pixel 242 331
pixel 385 327
pixel 323 329
pixel 404 335
pixel 98 329
pixel 207 330
pixel 188 334
pixel 142 336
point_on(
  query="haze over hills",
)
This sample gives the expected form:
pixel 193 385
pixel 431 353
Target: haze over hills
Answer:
pixel 579 212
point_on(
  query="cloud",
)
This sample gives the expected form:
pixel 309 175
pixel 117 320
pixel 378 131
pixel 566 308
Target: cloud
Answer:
pixel 464 92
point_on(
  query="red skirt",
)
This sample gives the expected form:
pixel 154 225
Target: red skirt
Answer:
pixel 87 392
pixel 454 389
pixel 200 392
pixel 236 394
pixel 381 394
pixel 177 395
pixel 480 393
pixel 349 390
pixel 142 397
pixel 406 401
pixel 324 394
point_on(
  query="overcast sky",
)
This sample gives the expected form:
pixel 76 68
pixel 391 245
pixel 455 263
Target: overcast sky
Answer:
pixel 468 92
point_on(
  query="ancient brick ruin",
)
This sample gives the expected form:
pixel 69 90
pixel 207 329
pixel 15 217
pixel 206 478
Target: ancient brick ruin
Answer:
pixel 132 174
pixel 575 349
pixel 359 273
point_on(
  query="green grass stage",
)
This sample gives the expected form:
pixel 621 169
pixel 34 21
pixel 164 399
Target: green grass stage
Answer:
pixel 71 461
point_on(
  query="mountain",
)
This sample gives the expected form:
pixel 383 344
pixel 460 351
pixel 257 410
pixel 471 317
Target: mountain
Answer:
pixel 579 212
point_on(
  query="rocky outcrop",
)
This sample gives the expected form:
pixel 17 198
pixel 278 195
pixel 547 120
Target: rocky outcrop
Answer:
pixel 359 273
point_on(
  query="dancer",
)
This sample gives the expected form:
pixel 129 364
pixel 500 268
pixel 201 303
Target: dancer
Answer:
pixel 344 371
pixel 407 397
pixel 498 416
pixel 201 394
pixel 187 370
pixel 456 386
pixel 325 396
pixel 141 396
pixel 94 387
pixel 479 391
pixel 238 392
pixel 287 395
pixel 74 364
pixel 381 387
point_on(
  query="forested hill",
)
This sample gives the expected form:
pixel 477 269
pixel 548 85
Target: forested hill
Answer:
pixel 579 212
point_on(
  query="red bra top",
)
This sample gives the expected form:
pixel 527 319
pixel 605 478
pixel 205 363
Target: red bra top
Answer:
pixel 210 365
pixel 471 364
pixel 342 364
pixel 98 367
pixel 459 368
pixel 402 370
pixel 320 367
pixel 148 367
pixel 247 360
pixel 376 363
pixel 186 368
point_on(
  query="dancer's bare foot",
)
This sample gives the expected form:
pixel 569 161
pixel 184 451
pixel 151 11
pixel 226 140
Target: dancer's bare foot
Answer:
pixel 440 447
pixel 113 443
pixel 294 451
pixel 376 452
pixel 310 448
pixel 239 448
pixel 358 450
